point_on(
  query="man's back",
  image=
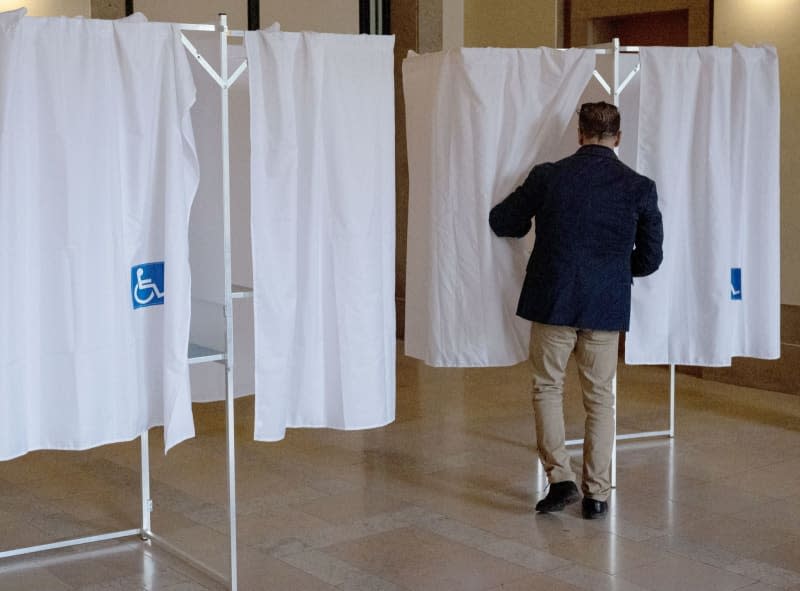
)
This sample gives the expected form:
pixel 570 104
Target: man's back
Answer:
pixel 590 211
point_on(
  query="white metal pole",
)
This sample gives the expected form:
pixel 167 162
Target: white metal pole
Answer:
pixel 226 221
pixel 615 99
pixel 672 400
pixel 615 82
pixel 614 444
pixel 147 503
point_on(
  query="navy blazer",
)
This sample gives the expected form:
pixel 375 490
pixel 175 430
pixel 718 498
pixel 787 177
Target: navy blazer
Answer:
pixel 597 226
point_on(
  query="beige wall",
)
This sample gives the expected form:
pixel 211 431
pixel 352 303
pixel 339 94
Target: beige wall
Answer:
pixel 50 7
pixel 431 25
pixel 108 8
pixel 452 24
pixel 330 16
pixel 510 23
pixel 326 16
pixel 194 11
pixel 776 22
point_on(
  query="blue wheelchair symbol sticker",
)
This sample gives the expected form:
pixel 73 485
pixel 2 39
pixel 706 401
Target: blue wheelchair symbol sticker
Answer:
pixel 147 285
pixel 736 283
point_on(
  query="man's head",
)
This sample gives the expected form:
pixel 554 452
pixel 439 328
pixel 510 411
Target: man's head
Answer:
pixel 598 123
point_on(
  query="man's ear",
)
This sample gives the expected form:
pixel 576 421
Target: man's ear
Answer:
pixel 618 138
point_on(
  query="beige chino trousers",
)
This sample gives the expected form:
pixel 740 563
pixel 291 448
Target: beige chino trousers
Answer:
pixel 596 355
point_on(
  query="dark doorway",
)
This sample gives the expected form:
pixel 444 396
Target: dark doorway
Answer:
pixel 647 28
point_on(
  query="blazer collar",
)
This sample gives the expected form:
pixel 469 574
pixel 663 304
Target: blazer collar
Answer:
pixel 597 150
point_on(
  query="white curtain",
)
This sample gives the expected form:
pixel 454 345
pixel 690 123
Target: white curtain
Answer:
pixel 477 121
pixel 323 232
pixel 97 175
pixel 709 136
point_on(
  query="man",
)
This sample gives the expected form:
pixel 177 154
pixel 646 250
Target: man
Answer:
pixel 597 226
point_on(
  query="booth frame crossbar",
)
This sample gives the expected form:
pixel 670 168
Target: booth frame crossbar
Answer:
pixel 614 90
pixel 196 353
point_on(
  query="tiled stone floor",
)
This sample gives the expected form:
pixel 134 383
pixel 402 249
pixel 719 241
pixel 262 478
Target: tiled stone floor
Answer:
pixel 440 500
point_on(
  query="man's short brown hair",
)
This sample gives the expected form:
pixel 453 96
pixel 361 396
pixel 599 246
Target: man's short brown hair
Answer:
pixel 598 120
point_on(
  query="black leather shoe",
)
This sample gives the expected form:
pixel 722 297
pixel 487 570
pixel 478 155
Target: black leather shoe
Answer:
pixel 591 509
pixel 559 496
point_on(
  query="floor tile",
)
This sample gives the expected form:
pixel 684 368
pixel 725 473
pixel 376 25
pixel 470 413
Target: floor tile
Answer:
pixel 682 574
pixel 590 579
pixel 607 552
pixel 34 579
pixel 537 583
pixel 423 561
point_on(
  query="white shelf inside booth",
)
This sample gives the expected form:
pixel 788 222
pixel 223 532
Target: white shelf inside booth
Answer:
pixel 200 354
pixel 240 292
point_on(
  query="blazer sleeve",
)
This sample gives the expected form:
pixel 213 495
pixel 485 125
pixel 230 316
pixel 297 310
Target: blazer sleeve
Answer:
pixel 647 253
pixel 512 217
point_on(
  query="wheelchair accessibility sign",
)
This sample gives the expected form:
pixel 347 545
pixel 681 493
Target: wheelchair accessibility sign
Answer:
pixel 147 285
pixel 736 283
